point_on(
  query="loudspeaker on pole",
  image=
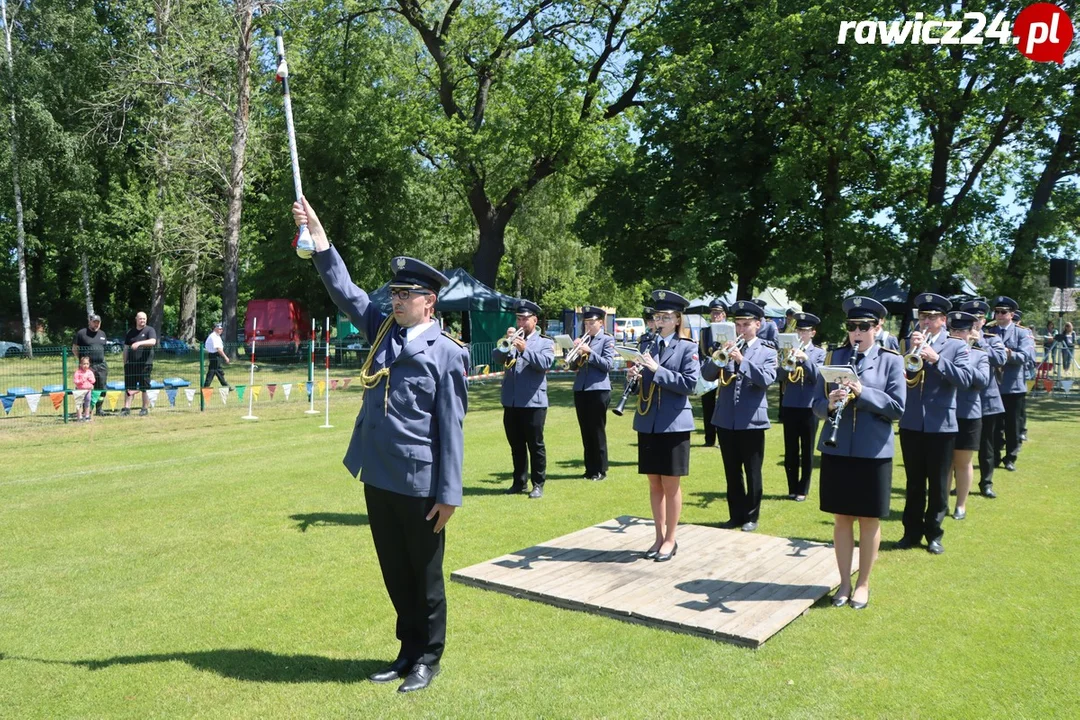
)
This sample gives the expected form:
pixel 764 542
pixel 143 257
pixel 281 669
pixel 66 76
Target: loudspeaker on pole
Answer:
pixel 1062 273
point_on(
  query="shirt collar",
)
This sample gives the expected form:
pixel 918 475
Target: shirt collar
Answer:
pixel 416 330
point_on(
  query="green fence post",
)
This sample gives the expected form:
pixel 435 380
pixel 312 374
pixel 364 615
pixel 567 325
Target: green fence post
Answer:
pixel 64 354
pixel 202 374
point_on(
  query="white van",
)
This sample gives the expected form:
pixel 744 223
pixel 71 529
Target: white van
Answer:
pixel 629 329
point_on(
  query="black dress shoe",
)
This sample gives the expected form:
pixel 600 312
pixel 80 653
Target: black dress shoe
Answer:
pixel 935 547
pixel 419 677
pixel 860 605
pixel 749 527
pixel 599 477
pixel 729 525
pixel 1010 466
pixel 906 544
pixel 800 498
pixel 988 492
pixel 514 490
pixel 952 493
pixel 1023 437
pixel 537 492
pixel 959 515
pixel 839 600
pixel 664 557
pixel 651 554
pixel 397 670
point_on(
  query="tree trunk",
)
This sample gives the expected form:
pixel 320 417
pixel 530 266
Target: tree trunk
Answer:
pixel 157 244
pixel 20 232
pixel 491 223
pixel 86 284
pixel 189 298
pixel 826 303
pixel 238 150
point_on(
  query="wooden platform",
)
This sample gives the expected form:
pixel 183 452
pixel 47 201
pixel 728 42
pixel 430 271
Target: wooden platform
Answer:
pixel 727 585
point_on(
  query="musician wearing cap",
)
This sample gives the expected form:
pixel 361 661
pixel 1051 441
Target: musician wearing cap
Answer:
pixel 856 443
pixel 667 376
pixel 1029 372
pixel 592 390
pixel 767 330
pixel 741 414
pixel 800 424
pixel 527 357
pixel 968 408
pixel 937 366
pixel 717 314
pixel 990 396
pixel 647 338
pixel 407 445
pixel 1019 350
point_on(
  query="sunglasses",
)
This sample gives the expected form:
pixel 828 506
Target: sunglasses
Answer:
pixel 860 326
pixel 404 294
pixel 1001 311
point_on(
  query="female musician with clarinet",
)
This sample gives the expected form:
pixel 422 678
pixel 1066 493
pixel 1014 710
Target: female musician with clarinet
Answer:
pixel 856 444
pixel 667 376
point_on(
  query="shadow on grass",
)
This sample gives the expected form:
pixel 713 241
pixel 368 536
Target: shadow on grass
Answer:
pixel 245 664
pixel 719 592
pixel 306 520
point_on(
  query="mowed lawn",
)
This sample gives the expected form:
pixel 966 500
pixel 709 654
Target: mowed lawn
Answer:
pixel 188 565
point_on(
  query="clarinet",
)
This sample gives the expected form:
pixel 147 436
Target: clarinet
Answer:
pixel 835 422
pixel 631 388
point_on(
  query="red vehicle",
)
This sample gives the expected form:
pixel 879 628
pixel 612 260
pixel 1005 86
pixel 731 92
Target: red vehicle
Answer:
pixel 283 326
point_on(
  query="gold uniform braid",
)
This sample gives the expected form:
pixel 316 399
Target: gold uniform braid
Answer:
pixel 370 380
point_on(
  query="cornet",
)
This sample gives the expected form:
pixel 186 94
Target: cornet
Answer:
pixel 575 352
pixel 913 361
pixel 790 363
pixel 721 356
pixel 505 343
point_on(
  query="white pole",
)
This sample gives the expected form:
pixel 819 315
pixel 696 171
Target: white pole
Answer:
pixel 311 372
pixel 326 388
pixel 251 373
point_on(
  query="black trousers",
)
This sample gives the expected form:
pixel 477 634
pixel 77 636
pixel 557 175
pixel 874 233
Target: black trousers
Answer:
pixel 215 371
pixel 411 558
pixel 525 432
pixel 708 406
pixel 591 406
pixel 927 461
pixel 742 450
pixel 101 377
pixel 991 426
pixel 1009 438
pixel 800 427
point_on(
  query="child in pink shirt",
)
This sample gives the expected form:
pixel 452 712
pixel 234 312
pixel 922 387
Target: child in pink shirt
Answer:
pixel 84 380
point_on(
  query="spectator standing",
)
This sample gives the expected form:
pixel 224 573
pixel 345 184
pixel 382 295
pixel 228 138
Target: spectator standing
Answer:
pixel 138 362
pixel 1067 338
pixel 90 342
pixel 84 380
pixel 215 348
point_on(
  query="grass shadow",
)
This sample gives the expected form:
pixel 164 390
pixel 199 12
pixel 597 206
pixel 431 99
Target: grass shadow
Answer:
pixel 306 520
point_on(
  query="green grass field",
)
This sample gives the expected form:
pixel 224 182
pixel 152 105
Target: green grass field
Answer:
pixel 187 565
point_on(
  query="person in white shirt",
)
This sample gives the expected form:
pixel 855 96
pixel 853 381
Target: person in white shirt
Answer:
pixel 215 348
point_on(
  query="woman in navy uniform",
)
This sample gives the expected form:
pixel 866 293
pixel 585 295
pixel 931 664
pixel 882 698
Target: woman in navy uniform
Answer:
pixel 992 408
pixel 717 314
pixel 968 409
pixel 797 399
pixel 664 420
pixel 742 413
pixel 407 444
pixel 525 398
pixel 592 391
pixel 856 472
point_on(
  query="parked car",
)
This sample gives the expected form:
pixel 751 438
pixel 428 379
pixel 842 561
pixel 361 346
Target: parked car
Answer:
pixel 283 328
pixel 172 345
pixel 629 329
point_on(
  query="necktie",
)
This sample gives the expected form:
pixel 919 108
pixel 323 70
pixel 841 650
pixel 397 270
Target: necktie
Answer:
pixel 858 361
pixel 659 348
pixel 397 343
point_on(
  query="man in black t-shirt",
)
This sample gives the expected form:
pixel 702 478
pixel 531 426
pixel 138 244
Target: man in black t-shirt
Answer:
pixel 90 341
pixel 138 362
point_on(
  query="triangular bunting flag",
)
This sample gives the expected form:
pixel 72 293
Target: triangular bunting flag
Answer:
pixel 57 399
pixel 7 402
pixel 152 395
pixel 32 401
pixel 240 391
pixel 207 393
pixel 113 398
pixel 224 392
pixel 79 395
pixel 271 389
pixel 1066 385
pixel 286 388
pixel 309 387
pixel 171 394
pixel 345 382
pixel 255 392
pixel 189 393
pixel 333 384
pixel 96 395
pixel 322 387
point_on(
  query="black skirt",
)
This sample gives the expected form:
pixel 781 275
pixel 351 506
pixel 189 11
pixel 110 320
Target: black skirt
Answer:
pixel 968 434
pixel 855 486
pixel 664 454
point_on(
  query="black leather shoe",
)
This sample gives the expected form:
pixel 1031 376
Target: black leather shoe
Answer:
pixel 599 477
pixel 1010 466
pixel 800 498
pixel 729 525
pixel 537 492
pixel 959 515
pixel 419 677
pixel 988 492
pixel 906 544
pixel 860 605
pixel 839 600
pixel 514 490
pixel 397 670
pixel 1023 437
pixel 664 557
pixel 749 527
pixel 935 547
pixel 952 493
pixel 651 554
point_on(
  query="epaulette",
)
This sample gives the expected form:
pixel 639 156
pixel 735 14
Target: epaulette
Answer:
pixel 976 347
pixel 768 343
pixel 689 339
pixel 459 343
pixel 889 350
pixel 547 337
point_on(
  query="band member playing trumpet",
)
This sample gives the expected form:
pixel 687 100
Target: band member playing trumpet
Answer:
pixel 856 463
pixel 668 375
pixel 741 414
pixel 592 390
pixel 968 409
pixel 992 408
pixel 717 314
pixel 799 379
pixel 524 397
pixel 937 366
pixel 1019 349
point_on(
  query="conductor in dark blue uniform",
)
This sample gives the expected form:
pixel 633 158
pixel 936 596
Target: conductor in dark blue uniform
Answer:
pixel 797 399
pixel 524 397
pixel 407 445
pixel 592 390
pixel 717 314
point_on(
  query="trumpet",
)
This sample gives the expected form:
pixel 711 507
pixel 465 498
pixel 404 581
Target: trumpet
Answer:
pixel 506 343
pixel 575 352
pixel 721 356
pixel 630 389
pixel 790 363
pixel 913 361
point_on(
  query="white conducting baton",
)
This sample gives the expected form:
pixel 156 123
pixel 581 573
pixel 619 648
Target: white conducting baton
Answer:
pixel 302 242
